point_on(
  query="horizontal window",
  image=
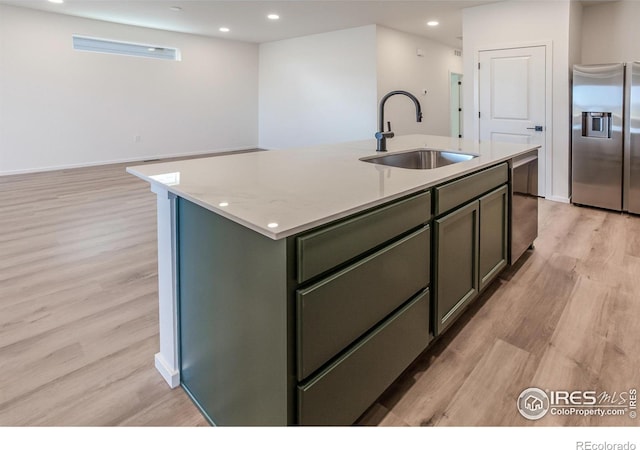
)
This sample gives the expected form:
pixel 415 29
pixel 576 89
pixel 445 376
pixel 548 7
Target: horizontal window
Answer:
pixel 90 44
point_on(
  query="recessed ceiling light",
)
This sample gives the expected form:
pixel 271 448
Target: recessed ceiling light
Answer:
pixel 175 8
pixel 224 29
pixel 273 16
pixel 433 23
pixel 56 1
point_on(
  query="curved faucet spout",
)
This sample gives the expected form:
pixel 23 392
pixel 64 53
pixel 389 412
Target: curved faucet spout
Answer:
pixel 382 135
pixel 391 94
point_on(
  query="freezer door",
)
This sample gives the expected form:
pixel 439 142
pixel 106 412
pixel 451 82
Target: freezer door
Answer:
pixel 634 140
pixel 597 143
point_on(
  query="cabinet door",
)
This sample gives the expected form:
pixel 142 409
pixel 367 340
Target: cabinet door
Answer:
pixel 493 235
pixel 456 268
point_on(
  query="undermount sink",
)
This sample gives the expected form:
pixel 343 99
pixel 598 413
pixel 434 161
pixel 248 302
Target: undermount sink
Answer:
pixel 420 159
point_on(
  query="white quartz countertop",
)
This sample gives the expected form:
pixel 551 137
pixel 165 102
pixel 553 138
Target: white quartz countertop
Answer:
pixel 279 193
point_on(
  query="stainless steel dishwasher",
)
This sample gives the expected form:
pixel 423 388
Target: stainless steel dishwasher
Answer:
pixel 524 204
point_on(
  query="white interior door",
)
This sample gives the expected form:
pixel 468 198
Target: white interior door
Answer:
pixel 512 85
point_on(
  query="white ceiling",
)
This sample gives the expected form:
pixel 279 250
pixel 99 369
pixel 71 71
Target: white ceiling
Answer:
pixel 247 19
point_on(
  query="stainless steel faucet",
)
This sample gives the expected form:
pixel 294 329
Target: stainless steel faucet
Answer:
pixel 382 135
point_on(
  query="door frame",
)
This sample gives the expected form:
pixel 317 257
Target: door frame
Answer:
pixel 460 114
pixel 548 117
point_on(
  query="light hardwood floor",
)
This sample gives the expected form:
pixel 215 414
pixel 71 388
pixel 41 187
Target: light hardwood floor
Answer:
pixel 78 316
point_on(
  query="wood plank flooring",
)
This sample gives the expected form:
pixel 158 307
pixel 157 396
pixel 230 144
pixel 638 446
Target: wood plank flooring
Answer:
pixel 78 316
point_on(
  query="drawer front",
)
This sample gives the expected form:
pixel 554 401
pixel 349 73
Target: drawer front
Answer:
pixel 324 249
pixel 343 391
pixel 461 191
pixel 334 312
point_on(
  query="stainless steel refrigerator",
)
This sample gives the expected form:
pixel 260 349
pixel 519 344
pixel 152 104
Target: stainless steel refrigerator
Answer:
pixel 605 150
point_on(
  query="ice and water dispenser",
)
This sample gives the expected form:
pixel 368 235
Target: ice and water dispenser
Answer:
pixel 596 124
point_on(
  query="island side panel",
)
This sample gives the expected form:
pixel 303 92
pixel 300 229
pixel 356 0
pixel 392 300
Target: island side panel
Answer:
pixel 235 320
pixel 166 360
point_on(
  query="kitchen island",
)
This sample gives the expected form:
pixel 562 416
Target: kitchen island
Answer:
pixel 296 285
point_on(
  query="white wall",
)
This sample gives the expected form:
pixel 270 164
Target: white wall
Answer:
pixel 504 24
pixel 611 32
pixel 61 108
pixel 399 67
pixel 575 34
pixel 326 87
pixel 318 89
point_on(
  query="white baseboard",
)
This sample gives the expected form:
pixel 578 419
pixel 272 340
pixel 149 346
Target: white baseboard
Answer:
pixel 120 161
pixel 556 198
pixel 170 375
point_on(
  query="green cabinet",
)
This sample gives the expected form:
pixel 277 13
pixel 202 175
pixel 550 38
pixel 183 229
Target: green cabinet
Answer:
pixel 348 386
pixel 311 329
pixel 326 248
pixel 335 311
pixel 456 269
pixel 494 207
pixel 364 314
pixel 470 240
pixel 234 320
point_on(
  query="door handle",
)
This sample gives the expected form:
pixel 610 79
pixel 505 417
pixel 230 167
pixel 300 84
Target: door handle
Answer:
pixel 537 128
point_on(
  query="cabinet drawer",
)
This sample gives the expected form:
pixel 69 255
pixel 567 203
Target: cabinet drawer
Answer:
pixel 343 391
pixel 334 312
pixel 457 192
pixel 328 247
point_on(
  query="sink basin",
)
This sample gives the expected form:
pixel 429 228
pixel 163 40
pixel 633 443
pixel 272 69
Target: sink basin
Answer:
pixel 419 159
